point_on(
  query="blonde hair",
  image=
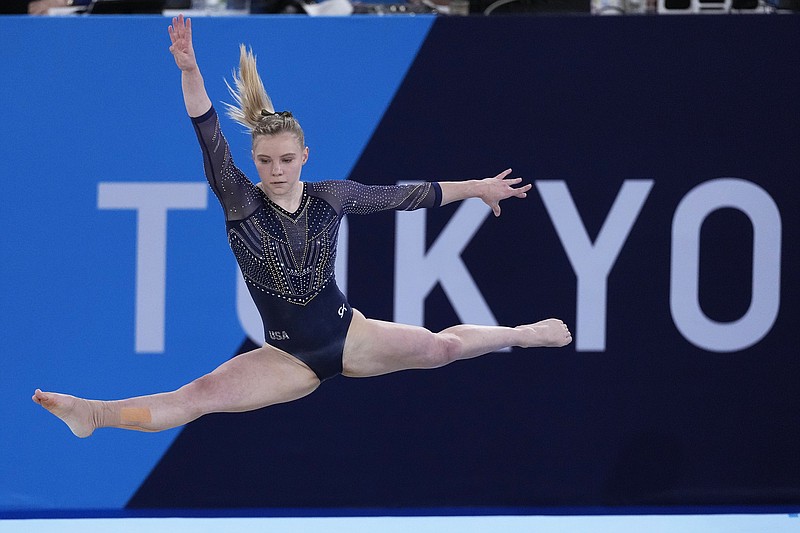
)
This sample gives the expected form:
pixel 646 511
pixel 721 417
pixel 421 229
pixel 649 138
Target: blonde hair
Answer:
pixel 253 108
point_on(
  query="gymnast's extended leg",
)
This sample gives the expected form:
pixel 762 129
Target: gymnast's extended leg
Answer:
pixel 249 381
pixel 375 347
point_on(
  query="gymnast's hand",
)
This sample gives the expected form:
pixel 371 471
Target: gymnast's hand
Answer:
pixel 493 190
pixel 180 33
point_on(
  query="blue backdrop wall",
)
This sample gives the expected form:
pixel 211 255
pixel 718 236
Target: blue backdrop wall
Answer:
pixel 664 156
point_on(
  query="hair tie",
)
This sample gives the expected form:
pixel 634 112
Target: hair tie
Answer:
pixel 284 114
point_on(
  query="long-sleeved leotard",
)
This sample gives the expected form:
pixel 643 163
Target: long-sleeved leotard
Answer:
pixel 288 259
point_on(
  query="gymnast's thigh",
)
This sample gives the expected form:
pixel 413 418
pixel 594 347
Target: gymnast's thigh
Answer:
pixel 375 347
pixel 255 379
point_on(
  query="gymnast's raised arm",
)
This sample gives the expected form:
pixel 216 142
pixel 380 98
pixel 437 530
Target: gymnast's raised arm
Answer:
pixel 194 91
pixel 232 188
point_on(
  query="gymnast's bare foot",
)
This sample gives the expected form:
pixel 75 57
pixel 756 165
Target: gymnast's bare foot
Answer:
pixel 551 333
pixel 75 412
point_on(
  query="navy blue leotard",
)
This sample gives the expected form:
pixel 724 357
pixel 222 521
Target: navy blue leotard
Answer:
pixel 288 259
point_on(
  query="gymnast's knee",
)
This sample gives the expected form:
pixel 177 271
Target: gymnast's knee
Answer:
pixel 197 395
pixel 446 349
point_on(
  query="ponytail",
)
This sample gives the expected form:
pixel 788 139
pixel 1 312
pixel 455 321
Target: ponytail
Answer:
pixel 253 107
pixel 249 93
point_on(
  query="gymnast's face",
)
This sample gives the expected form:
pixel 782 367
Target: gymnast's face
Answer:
pixel 279 159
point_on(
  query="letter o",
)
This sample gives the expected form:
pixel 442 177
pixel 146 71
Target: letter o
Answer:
pixel 763 213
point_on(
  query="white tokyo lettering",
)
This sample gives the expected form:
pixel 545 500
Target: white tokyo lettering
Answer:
pixel 592 261
pixel 418 271
pixel 151 201
pixel 684 302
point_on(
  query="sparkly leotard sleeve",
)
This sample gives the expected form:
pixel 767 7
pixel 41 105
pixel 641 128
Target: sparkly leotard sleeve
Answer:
pixel 237 194
pixel 288 259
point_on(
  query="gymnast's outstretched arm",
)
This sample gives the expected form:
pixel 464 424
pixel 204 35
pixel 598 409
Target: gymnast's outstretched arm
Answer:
pixel 490 190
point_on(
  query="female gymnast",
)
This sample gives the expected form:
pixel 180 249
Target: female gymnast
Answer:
pixel 283 233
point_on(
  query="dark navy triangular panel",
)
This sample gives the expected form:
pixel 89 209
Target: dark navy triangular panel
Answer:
pixel 651 420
